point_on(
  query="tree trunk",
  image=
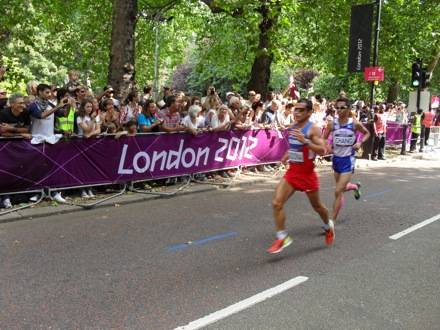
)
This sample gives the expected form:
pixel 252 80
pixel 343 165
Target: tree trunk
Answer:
pixel 393 91
pixel 260 73
pixel 122 50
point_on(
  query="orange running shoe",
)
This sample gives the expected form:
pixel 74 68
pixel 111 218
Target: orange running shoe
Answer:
pixel 280 244
pixel 330 234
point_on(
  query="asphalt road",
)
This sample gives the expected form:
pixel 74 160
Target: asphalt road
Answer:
pixel 167 263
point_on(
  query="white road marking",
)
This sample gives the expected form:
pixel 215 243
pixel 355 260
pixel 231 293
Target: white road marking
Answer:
pixel 223 313
pixel 415 227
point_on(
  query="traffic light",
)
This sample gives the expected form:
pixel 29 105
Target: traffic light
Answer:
pixel 416 76
pixel 426 78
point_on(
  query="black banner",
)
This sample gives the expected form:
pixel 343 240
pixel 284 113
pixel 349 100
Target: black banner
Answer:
pixel 360 37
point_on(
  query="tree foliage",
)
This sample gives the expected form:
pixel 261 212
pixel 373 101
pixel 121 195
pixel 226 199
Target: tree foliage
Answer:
pixel 232 44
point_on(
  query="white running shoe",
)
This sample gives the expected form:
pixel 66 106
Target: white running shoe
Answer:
pixel 7 203
pixel 90 193
pixel 58 198
pixel 34 198
pixel 84 194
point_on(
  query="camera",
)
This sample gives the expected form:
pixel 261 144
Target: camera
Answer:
pixel 4 66
pixel 212 92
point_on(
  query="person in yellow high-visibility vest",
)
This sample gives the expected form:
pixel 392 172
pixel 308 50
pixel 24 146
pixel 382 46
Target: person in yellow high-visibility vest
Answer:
pixel 415 129
pixel 66 125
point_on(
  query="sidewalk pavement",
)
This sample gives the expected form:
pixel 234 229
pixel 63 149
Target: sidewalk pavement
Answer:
pixel 128 197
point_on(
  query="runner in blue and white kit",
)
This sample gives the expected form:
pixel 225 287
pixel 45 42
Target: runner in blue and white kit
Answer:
pixel 344 147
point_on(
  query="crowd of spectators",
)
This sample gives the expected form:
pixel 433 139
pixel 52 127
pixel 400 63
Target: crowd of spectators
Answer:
pixel 48 113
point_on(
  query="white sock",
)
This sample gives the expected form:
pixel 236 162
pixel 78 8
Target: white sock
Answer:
pixel 282 234
pixel 327 226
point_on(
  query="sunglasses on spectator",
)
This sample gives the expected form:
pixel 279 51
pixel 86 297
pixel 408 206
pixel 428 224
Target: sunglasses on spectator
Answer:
pixel 3 93
pixel 341 107
pixel 82 91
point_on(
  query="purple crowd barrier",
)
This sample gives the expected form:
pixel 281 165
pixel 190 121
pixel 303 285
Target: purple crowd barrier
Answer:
pixel 76 162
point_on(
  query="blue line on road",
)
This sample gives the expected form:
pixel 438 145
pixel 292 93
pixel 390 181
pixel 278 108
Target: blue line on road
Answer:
pixel 201 241
pixel 378 193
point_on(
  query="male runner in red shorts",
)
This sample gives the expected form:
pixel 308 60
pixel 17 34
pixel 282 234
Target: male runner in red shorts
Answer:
pixel 305 141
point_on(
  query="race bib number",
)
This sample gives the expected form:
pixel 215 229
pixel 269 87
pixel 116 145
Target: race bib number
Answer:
pixel 296 156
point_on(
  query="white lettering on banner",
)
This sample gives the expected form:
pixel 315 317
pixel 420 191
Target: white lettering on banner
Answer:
pixel 235 150
pixel 359 57
pixel 252 146
pixel 225 145
pixel 186 157
pixel 229 144
pixel 135 162
pixel 344 141
pixel 121 169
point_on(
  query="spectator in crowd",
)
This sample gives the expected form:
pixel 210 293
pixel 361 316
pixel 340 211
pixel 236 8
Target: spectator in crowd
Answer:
pixel 3 98
pixel 186 103
pixel 258 109
pixel 192 122
pixel 18 119
pixel 31 90
pixel 146 96
pixel 53 94
pixel 251 98
pixel 171 116
pixel 228 97
pixel 401 115
pixel 88 126
pixel 222 121
pixel 110 115
pixel 437 118
pixel 234 105
pixel 210 91
pixel 88 121
pixel 270 96
pixel 73 83
pixel 131 110
pixel 427 120
pixel 147 121
pixel 161 97
pixel 108 94
pixel 244 121
pixel 285 118
pixel 43 124
pixel 66 125
pixel 380 130
pixel 269 115
pixel 80 95
pixel 415 129
pixel 130 131
pixel 212 105
pixel 17 116
pixel 131 128
pixel 3 94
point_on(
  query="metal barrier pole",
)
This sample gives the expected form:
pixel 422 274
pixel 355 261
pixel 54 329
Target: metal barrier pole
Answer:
pixel 403 150
pixel 422 137
pixel 42 195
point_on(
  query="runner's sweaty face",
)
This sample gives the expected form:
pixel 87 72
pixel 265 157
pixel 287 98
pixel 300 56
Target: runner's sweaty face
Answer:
pixel 342 109
pixel 301 112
